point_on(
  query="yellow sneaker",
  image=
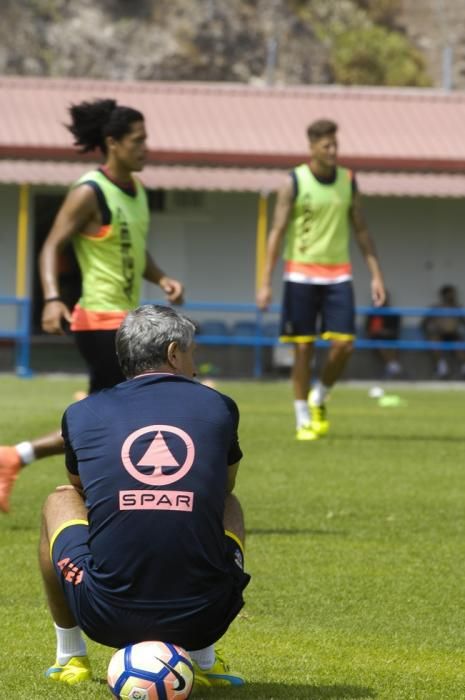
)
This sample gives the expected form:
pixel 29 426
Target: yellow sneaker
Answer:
pixel 306 432
pixel 320 422
pixel 218 675
pixel 76 670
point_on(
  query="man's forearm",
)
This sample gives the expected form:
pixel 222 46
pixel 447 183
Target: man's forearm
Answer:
pixel 271 257
pixel 152 272
pixel 48 274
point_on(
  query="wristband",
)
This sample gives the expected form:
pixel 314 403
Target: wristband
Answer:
pixel 46 301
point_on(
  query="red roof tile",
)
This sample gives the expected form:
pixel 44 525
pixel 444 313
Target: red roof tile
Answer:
pixel 243 125
pixel 235 179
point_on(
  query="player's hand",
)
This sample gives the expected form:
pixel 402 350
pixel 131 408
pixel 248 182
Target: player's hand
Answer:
pixel 264 296
pixel 378 292
pixel 174 290
pixel 53 315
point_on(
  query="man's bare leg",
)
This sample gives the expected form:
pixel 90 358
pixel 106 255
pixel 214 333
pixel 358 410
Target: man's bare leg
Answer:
pixel 336 361
pixel 210 668
pixel 233 520
pixel 301 373
pixel 72 665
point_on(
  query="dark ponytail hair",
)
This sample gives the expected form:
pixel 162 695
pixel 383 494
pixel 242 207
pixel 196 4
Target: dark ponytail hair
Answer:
pixel 92 122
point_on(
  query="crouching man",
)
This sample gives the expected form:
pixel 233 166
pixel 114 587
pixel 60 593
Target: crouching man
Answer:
pixel 147 541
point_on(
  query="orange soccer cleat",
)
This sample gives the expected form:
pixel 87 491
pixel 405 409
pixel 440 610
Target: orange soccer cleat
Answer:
pixel 10 464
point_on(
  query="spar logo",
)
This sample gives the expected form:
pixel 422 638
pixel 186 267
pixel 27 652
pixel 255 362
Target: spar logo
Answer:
pixel 157 466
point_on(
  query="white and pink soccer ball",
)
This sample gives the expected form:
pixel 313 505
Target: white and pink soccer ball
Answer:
pixel 151 671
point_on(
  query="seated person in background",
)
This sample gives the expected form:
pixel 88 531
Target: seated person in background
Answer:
pixel 444 329
pixel 380 327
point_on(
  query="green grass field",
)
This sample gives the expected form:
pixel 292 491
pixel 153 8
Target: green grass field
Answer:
pixel 356 545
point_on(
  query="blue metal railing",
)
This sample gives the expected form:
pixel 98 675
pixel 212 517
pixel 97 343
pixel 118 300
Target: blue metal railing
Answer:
pixel 257 338
pixel 21 334
pixel 416 344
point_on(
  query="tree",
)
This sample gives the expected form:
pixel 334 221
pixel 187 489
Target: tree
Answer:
pixel 372 55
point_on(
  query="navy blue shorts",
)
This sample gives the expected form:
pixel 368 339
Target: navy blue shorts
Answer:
pixel 312 310
pixel 117 625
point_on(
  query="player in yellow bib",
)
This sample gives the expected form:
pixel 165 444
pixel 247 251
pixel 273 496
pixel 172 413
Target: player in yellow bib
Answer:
pixel 106 217
pixel 315 211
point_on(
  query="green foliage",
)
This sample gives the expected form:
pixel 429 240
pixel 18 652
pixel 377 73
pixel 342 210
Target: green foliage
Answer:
pixel 355 545
pixel 364 46
pixel 375 56
pixel 384 12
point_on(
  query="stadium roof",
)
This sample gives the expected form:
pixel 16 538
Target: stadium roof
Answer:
pixel 240 137
pixel 178 177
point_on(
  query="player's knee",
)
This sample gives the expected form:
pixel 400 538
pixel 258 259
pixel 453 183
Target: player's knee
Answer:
pixel 234 517
pixel 64 487
pixel 233 502
pixel 344 348
pixel 64 499
pixel 52 499
pixel 349 347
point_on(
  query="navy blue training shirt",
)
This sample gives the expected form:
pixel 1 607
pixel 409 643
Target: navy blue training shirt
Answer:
pixel 152 454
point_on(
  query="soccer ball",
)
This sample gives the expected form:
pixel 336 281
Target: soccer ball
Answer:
pixel 151 671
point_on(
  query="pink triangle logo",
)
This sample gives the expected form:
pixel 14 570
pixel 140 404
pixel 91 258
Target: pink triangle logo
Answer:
pixel 158 455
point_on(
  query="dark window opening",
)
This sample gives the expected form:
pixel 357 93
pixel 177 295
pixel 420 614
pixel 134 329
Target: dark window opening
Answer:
pixel 156 200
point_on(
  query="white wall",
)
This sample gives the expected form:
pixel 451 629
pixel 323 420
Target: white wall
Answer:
pixel 421 244
pixel 212 250
pixel 8 233
pixel 9 222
